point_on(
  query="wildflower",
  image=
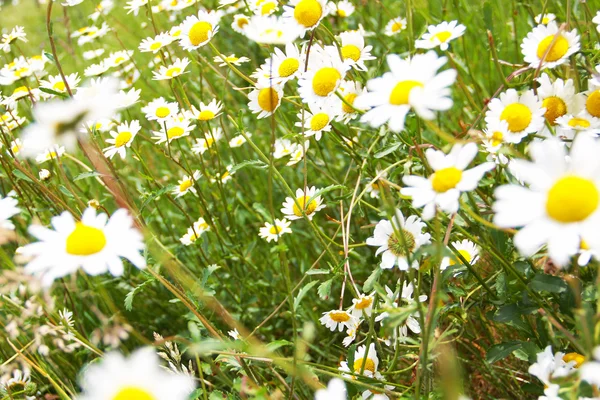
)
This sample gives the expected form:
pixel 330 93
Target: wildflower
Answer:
pixel 139 376
pixel 305 204
pixel 467 249
pixel 271 30
pixel 264 7
pixel 326 70
pixel 444 187
pixel 8 209
pixel 395 250
pixel 544 19
pixel 174 128
pixel 17 33
pixel 281 66
pixel 186 184
pixel 239 23
pixel 590 371
pixel 558 98
pixel 440 35
pixel 231 59
pixel 206 112
pixel 560 206
pixel 350 91
pixel 174 70
pixel 395 26
pixel 586 254
pixel 412 84
pixel 52 153
pixel 581 124
pixel 342 8
pixel 336 390
pixel 96 244
pixel 374 188
pixel 156 43
pixel 524 114
pixel 549 365
pixel 91 54
pixel 57 84
pixel 234 334
pixel 210 139
pixel 317 120
pixel 547 42
pixel 44 174
pixel 198 30
pixel 121 139
pixel 160 110
pixel 412 321
pixel 298 152
pixel 238 140
pixel 274 231
pixel 194 232
pixel 338 319
pixel 265 100
pixel 307 14
pixel 363 305
pixel 365 363
pixel 354 51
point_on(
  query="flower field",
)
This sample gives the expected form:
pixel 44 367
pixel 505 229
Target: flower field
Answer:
pixel 299 199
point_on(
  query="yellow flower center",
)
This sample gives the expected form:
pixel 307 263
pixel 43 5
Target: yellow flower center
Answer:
pixel 350 100
pixel 85 240
pixel 155 46
pixel 397 26
pixel 308 209
pixel 173 71
pixel 206 115
pixel 592 103
pixel 200 32
pixel 319 121
pixel 274 230
pixel 555 107
pixel 20 89
pixel 572 199
pixel 267 9
pixel 288 67
pixel 441 36
pixel 545 20
pixel 185 185
pixel 268 99
pixel 465 254
pixel 242 22
pixel 308 12
pixel 162 112
pixel 401 92
pixel 22 71
pixel 175 132
pixel 369 365
pixel 350 51
pixel 133 393
pixel 123 138
pixel 578 358
pixel 517 115
pixel 556 52
pixel 365 302
pixel 325 80
pixel 579 123
pixel 59 86
pixel 341 13
pixel 339 316
pixel 119 60
pixel 401 247
pixel 497 138
pixel 446 179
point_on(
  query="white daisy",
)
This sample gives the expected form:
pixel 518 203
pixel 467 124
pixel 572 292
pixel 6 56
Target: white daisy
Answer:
pixel 336 390
pixel 495 135
pixel 440 35
pixel 549 365
pixel 239 23
pixel 238 140
pixel 52 153
pixel 198 30
pixel 350 91
pixel 95 244
pixel 298 152
pixel 160 110
pixel 590 371
pixel 560 206
pixel 374 188
pixel 305 204
pixel 8 209
pixel 306 13
pixel 363 305
pixel 547 42
pixel 194 232
pixel 271 30
pixel 211 138
pixel 172 71
pixel 524 114
pixel 406 295
pixel 139 376
pixel 338 319
pixel 205 112
pixel 354 52
pixel 450 178
pixel 264 7
pixel 396 250
pixel 467 249
pixel 558 98
pixel 581 124
pixel 395 26
pixel 317 120
pixel 174 128
pixel 283 147
pixel 224 60
pixel 265 99
pixel 413 83
pixel 341 8
pixel 365 361
pixel 56 83
pixel 122 138
pixel 544 19
pixel 274 231
pixel 281 66
pixel 118 58
pixel 186 184
pixel 326 71
pixel 156 43
pixel 586 254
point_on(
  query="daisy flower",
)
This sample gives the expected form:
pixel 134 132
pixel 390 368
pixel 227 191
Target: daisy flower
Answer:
pixel 395 250
pixel 349 90
pixel 494 136
pixel 172 71
pixel 122 138
pixel 239 23
pixel 210 139
pixel 342 8
pixel 175 32
pixel 326 71
pixel 467 249
pixel 238 140
pixel 235 335
pixel 586 254
pixel 127 99
pixel 306 13
pixel 193 233
pixel 281 66
pixel 549 365
pixel 305 204
pixel 54 152
pixel 298 152
pixel 365 361
pixel 160 110
pixel 395 26
pixel 443 188
pixel 96 244
pixel 118 58
pixel 317 120
pixel 363 305
pixel 336 390
pixel 440 35
pixel 581 124
pixel 338 319
pixel 560 207
pixel 524 114
pixel 544 19
pixel 558 97
pixel 139 376
pixel 271 30
pixel 196 31
pixel 354 52
pixel 412 321
pixel 374 188
pixel 264 7
pixel 265 99
pixel 231 59
pixel 91 54
pixel 274 231
pixel 283 147
pixel 590 371
pixel 186 184
pixel 156 43
pixel 592 96
pixel 57 84
pixel 8 209
pixel 96 69
pixel 413 83
pixel 223 177
pixel 44 174
pixel 174 128
pixel 547 42
pixel 205 112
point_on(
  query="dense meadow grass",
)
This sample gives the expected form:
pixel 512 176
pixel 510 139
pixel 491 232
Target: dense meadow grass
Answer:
pixel 291 214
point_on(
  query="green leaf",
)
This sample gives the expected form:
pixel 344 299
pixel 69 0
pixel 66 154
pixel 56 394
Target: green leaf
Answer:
pixel 502 350
pixel 53 92
pixel 153 195
pixel 129 297
pixel 49 56
pixel 350 356
pixel 85 175
pixel 325 289
pixel 303 292
pixel 372 279
pixel 66 191
pixel 248 163
pixel 277 344
pixel 548 283
pixel 216 395
pixel 388 150
pixel 21 175
pixel 317 272
pixel 329 188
